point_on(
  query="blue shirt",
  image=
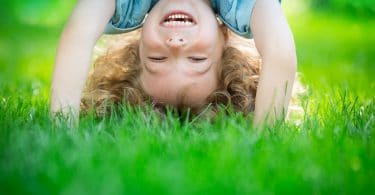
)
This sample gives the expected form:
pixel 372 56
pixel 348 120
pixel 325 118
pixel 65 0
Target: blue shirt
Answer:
pixel 130 14
pixel 235 14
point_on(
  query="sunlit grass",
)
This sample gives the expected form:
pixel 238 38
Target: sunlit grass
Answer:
pixel 141 153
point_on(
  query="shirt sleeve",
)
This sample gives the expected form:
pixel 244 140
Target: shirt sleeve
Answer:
pixel 236 15
pixel 129 15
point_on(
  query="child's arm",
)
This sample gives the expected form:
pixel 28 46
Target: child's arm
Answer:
pixel 274 41
pixel 83 29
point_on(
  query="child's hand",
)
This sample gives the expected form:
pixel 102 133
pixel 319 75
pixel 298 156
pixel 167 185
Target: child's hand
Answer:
pixel 129 15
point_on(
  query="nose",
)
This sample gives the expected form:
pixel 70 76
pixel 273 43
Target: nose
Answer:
pixel 176 42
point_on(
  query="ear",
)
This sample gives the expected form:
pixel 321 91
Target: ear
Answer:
pixel 225 32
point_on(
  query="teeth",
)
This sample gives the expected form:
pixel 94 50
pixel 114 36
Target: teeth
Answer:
pixel 177 20
pixel 178 16
pixel 178 23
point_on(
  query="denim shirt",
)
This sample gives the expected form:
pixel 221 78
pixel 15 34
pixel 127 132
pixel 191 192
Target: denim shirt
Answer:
pixel 130 15
pixel 235 14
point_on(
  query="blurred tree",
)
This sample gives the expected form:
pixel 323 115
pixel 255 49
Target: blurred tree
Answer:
pixel 361 7
pixel 36 12
pixel 6 14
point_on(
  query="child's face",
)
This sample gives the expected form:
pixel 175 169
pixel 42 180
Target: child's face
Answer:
pixel 180 49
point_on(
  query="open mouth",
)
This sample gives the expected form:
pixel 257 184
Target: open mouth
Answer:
pixel 178 19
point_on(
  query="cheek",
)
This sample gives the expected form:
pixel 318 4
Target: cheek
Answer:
pixel 205 43
pixel 210 39
pixel 149 39
pixel 150 36
pixel 209 27
pixel 213 47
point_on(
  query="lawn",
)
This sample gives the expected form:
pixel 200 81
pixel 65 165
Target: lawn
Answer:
pixel 329 150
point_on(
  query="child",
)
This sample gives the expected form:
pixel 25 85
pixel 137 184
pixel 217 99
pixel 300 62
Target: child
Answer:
pixel 179 56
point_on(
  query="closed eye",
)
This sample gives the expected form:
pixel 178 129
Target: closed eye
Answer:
pixel 157 59
pixel 197 59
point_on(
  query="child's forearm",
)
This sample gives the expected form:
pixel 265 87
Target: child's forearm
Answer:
pixel 274 41
pixel 274 89
pixel 85 26
pixel 71 68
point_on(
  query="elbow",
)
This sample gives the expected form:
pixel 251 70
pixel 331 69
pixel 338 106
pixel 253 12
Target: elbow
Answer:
pixel 284 59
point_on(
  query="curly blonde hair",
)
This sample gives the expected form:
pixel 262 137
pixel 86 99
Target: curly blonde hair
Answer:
pixel 115 79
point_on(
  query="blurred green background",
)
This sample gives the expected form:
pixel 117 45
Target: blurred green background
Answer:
pixel 29 34
pixel 331 152
pixel 334 41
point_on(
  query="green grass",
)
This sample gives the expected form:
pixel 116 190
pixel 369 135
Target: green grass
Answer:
pixel 139 153
pixel 330 150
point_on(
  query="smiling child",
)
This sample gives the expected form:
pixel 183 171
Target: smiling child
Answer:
pixel 183 56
